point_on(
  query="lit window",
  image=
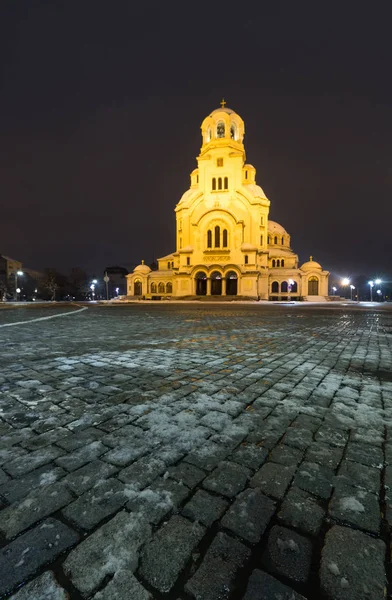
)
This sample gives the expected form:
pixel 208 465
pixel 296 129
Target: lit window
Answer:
pixel 226 183
pixel 161 288
pixel 219 162
pixel 153 288
pixel 233 132
pixel 213 183
pixel 220 130
pixel 208 134
pixel 224 238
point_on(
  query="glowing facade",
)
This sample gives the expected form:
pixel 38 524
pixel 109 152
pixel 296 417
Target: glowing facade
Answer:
pixel 225 243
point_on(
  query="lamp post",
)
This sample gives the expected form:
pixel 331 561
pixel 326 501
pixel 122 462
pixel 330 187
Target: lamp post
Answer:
pixel 334 291
pixel 17 290
pixel 379 291
pixel 290 284
pixel 92 288
pixel 345 282
pixel 352 287
pixel 371 285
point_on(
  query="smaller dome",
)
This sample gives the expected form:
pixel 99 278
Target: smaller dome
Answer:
pixel 142 269
pixel 223 109
pixel 311 265
pixel 274 227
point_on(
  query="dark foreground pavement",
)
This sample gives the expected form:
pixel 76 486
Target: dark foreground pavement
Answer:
pixel 195 452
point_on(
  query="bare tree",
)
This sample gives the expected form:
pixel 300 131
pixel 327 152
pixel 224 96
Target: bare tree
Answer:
pixel 51 285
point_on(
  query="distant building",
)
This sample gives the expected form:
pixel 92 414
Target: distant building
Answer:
pixel 225 243
pixel 117 281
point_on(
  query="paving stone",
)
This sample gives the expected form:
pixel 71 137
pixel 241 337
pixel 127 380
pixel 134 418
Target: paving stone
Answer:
pixel 215 576
pixel 288 554
pixel 273 479
pixel 366 455
pixel 301 510
pixel 187 474
pixel 315 479
pixel 250 456
pixel 11 453
pixel 331 436
pixel 16 489
pixel 285 455
pixel 79 439
pixel 164 557
pixel 177 492
pixel 262 586
pixel 352 566
pixel 356 507
pixel 86 477
pixel 45 439
pixel 208 456
pixel 151 505
pixel 80 457
pixel 124 455
pixel 112 548
pixel 249 515
pixel 23 557
pixel 142 472
pixel 351 473
pixel 44 587
pixel 35 506
pixel 101 501
pixel 325 455
pixel 298 438
pixel 123 585
pixel 227 479
pixel 205 508
pixel 3 478
pixel 32 460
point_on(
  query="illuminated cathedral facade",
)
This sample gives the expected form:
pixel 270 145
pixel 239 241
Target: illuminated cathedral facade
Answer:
pixel 225 243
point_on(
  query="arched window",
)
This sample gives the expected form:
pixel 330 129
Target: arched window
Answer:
pixel 213 183
pixel 137 288
pixel 169 288
pixel 275 287
pixel 220 130
pixel 284 287
pixel 208 135
pixel 313 286
pixel 275 239
pixel 188 261
pixel 261 220
pixel 173 264
pixel 278 263
pixel 246 259
pixel 282 241
pixel 294 287
pixel 219 183
pixel 282 262
pixel 161 288
pixel 209 238
pixel 273 262
pixel 224 238
pixel 168 265
pixel 246 174
pixel 233 132
pixel 269 239
pixel 153 288
pixel 226 183
pixel 261 240
pixel 217 236
pixel 180 243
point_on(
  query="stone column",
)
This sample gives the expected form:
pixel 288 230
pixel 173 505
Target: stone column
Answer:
pixel 208 286
pixel 223 286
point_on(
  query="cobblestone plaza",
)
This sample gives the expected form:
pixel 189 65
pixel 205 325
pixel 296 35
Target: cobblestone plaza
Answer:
pixel 195 451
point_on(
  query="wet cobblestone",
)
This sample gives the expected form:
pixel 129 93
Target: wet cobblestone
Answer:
pixel 196 451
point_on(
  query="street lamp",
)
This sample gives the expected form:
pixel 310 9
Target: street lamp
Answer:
pixel 334 289
pixel 17 290
pixel 378 282
pixel 290 284
pixel 117 291
pixel 345 281
pixel 352 287
pixel 92 288
pixel 371 285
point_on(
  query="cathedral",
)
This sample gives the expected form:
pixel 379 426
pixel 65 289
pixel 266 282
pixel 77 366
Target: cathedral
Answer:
pixel 225 243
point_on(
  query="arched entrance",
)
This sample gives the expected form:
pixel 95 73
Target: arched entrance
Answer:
pixel 137 288
pixel 231 283
pixel 201 283
pixel 216 283
pixel 313 286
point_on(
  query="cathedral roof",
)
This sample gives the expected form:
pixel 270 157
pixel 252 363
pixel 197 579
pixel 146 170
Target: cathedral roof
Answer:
pixel 311 265
pixel 274 227
pixel 142 268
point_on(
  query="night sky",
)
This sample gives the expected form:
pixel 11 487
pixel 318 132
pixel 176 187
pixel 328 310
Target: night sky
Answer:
pixel 101 104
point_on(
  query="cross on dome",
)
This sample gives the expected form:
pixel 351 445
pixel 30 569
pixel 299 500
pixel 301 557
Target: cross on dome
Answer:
pixel 223 102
